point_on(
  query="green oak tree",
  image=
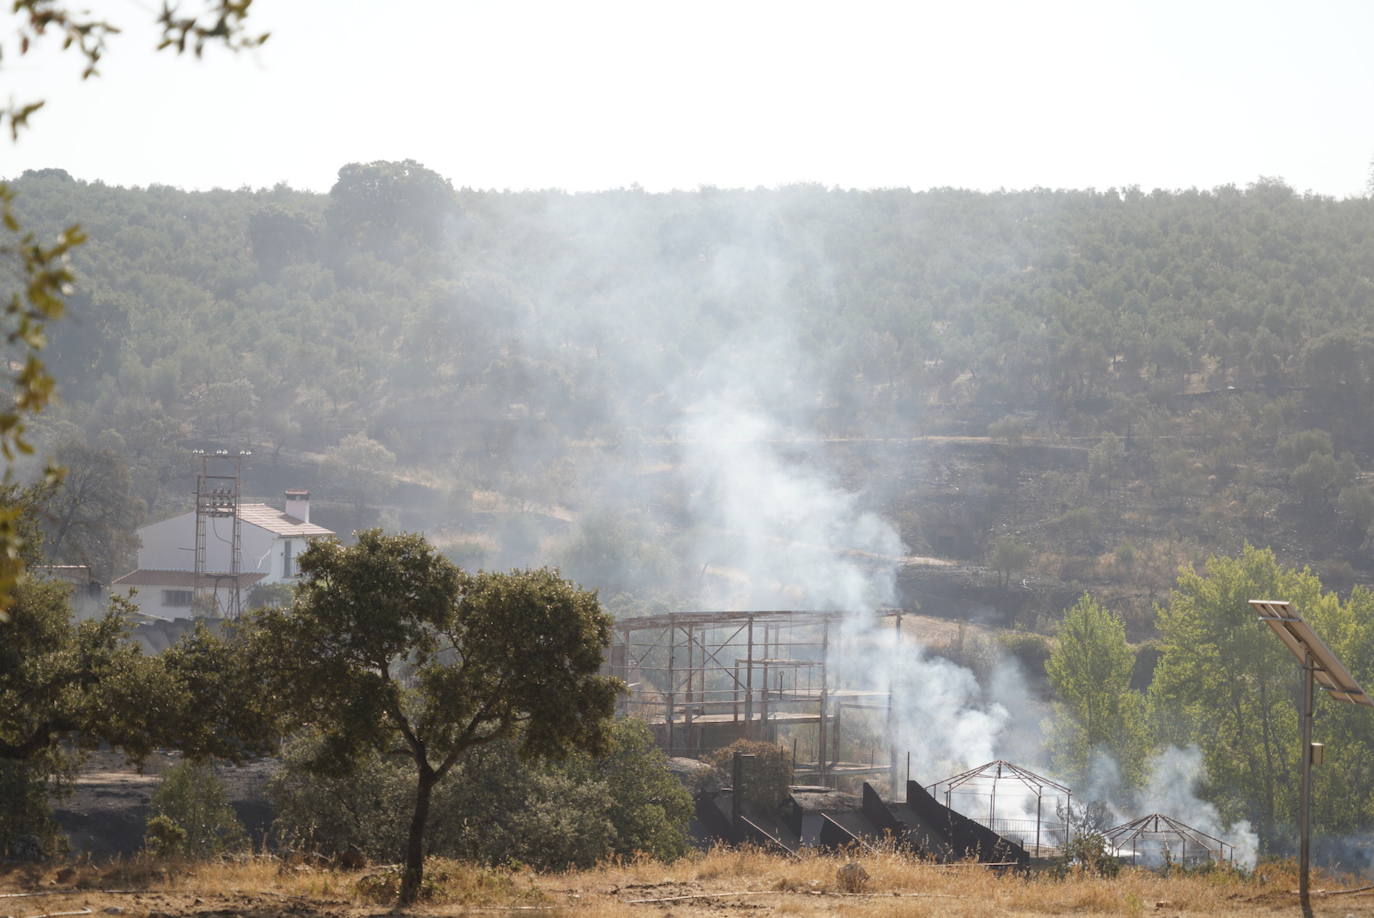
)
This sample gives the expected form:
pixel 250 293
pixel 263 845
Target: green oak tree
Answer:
pixel 359 469
pixel 62 687
pixel 1006 557
pixel 389 648
pixel 66 688
pixel 90 515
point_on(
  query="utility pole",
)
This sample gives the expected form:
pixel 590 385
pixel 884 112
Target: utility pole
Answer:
pixel 1305 783
pixel 1319 666
pixel 217 497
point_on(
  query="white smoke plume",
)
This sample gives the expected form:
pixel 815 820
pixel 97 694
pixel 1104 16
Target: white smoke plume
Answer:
pixel 1171 789
pixel 758 517
pixel 1174 777
pixel 797 540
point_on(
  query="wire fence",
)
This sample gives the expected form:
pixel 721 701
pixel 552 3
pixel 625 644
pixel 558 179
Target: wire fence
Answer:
pixel 1048 838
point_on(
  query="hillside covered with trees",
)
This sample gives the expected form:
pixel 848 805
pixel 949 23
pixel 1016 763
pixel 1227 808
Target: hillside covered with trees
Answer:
pixel 1075 388
pixel 1030 408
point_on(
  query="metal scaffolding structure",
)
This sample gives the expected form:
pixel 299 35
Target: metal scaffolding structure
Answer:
pixel 975 794
pixel 1159 839
pixel 705 679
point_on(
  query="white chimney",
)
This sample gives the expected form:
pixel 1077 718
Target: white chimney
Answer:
pixel 298 505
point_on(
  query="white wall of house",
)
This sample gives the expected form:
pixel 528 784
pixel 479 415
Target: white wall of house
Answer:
pixel 171 546
pixel 164 602
pixel 285 559
pixel 259 548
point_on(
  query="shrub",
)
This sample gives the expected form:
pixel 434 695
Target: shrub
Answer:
pixel 383 885
pixel 363 809
pixel 1355 504
pixel 190 815
pixel 27 827
pixel 1011 430
pixel 1088 852
pixel 1030 650
pixel 164 837
pixel 767 777
pixel 1297 448
pixel 494 808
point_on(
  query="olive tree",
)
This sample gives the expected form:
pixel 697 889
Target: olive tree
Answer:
pixel 390 648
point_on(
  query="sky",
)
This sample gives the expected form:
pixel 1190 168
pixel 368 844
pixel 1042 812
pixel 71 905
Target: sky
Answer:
pixel 517 94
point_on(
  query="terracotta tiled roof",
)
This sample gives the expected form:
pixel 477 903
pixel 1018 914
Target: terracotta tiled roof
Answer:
pixel 277 522
pixel 184 579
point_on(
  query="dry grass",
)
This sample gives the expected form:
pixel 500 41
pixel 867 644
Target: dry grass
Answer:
pixel 717 883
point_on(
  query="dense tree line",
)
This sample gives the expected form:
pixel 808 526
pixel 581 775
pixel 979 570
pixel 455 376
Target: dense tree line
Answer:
pixel 395 293
pixel 1208 347
pixel 1224 684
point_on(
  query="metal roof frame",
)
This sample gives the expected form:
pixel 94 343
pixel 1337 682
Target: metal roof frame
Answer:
pixel 801 617
pixel 1150 825
pixel 993 770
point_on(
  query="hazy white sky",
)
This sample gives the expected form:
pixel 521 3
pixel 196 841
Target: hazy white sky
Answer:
pixel 587 95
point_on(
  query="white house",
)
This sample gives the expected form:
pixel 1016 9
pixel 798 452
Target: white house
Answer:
pixel 169 594
pixel 271 540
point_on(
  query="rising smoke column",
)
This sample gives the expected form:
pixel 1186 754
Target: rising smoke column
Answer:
pixel 765 521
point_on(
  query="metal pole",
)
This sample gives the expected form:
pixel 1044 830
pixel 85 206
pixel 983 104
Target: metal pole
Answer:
pixel 691 670
pixel 1305 787
pixel 763 699
pixel 625 671
pixel 736 691
pixel 672 685
pixel 1038 800
pixel 749 683
pixel 736 788
pixel 835 736
pixel 773 727
pixel 891 734
pixel 820 725
pixel 891 743
pixel 691 673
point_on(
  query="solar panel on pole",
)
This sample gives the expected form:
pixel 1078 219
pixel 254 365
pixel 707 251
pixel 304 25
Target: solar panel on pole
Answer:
pixel 1321 667
pixel 1299 638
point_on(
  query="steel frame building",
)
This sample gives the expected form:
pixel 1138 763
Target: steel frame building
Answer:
pixel 705 679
